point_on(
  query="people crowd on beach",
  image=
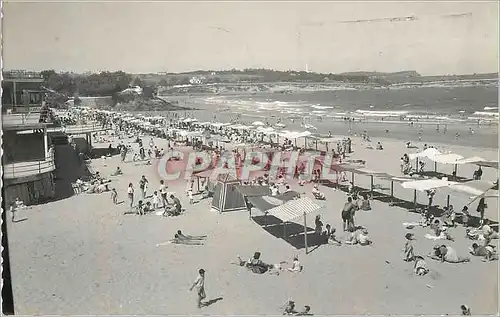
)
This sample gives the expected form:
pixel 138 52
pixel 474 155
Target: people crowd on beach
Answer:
pixel 141 204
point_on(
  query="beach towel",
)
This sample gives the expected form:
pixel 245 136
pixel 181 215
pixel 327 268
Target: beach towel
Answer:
pixel 433 237
pixel 410 225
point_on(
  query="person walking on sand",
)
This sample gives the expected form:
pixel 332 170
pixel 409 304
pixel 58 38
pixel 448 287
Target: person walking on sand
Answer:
pixel 163 193
pixel 130 194
pixel 114 196
pixel 143 184
pixel 199 284
pixel 318 225
pixel 346 213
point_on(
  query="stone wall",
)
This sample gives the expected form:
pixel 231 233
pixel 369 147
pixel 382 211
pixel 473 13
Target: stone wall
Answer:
pixel 22 147
pixel 31 190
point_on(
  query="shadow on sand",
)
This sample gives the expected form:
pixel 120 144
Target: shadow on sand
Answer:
pixel 69 169
pixel 19 220
pixel 212 301
pixel 291 232
pixel 439 175
pixel 436 211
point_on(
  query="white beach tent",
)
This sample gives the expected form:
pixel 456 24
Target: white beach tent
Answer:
pixel 258 123
pixel 476 188
pixel 449 158
pixel 427 184
pixel 476 160
pixel 266 130
pixel 437 157
pixel 428 153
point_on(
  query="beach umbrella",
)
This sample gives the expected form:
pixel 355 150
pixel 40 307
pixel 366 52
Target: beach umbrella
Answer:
pixel 258 123
pixel 310 127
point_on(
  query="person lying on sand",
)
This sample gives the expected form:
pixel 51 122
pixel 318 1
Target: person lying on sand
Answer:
pixel 359 237
pixel 474 234
pixel 257 266
pixel 487 252
pixel 420 267
pixel 445 253
pixel 91 189
pixel 179 240
pixel 305 311
pixel 188 237
pixel 102 188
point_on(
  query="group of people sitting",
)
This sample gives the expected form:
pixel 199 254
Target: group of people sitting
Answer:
pixel 96 185
pixel 289 309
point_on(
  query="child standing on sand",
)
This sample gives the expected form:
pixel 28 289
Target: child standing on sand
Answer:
pixel 155 200
pixel 199 284
pixel 140 208
pixel 114 196
pixel 409 254
pixel 190 195
pixel 130 194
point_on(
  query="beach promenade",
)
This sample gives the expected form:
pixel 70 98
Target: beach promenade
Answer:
pixel 81 255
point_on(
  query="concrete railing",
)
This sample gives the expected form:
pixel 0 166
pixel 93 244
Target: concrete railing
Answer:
pixel 21 118
pixel 23 169
pixel 82 129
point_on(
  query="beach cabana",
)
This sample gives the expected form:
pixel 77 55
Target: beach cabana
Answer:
pixel 476 160
pixel 437 157
pixel 426 184
pixel 477 189
pixel 226 196
pixel 293 210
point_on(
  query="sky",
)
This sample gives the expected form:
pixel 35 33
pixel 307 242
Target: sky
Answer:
pixel 149 37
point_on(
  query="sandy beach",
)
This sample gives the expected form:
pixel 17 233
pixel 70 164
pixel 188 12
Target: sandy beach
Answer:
pixel 81 255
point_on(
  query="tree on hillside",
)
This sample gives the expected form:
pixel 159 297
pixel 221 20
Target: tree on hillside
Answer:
pixel 77 101
pixel 47 73
pixel 137 82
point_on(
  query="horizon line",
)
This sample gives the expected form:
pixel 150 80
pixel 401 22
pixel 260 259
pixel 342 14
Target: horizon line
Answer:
pixel 59 71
